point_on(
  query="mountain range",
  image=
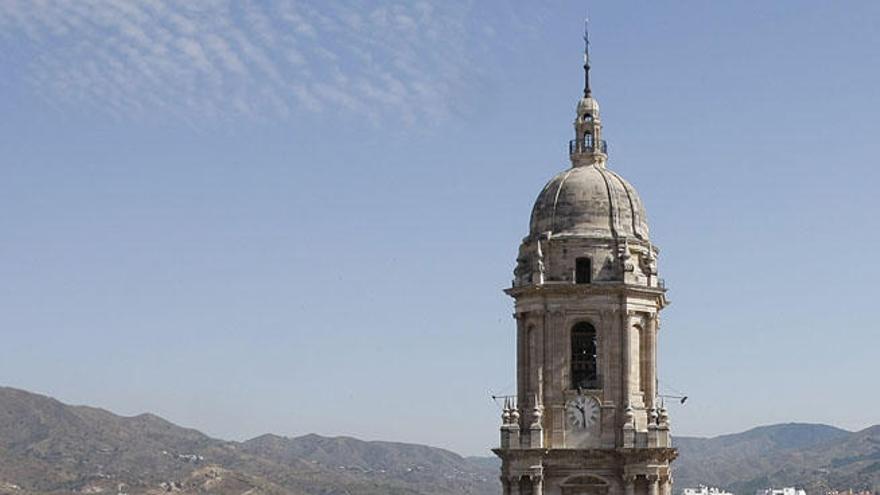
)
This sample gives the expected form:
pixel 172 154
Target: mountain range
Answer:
pixel 50 447
pixel 818 458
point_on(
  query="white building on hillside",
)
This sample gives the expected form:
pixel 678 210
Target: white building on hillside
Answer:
pixel 781 491
pixel 705 490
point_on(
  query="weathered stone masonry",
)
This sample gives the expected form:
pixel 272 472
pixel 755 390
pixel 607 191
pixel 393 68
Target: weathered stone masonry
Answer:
pixel 586 418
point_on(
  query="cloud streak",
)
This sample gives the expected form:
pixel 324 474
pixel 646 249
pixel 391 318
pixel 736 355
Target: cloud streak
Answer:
pixel 230 59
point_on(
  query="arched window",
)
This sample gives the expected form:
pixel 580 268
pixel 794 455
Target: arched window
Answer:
pixel 588 140
pixel 588 117
pixel 583 271
pixel 584 369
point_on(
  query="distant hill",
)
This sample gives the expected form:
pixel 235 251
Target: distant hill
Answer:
pixel 815 457
pixel 47 446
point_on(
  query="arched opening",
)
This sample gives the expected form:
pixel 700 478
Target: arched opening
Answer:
pixel 588 140
pixel 588 117
pixel 584 366
pixel 583 271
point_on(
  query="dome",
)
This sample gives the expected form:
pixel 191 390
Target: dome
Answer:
pixel 587 104
pixel 589 201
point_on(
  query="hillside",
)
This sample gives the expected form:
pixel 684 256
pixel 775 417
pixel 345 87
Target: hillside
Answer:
pixel 815 457
pixel 50 447
pixel 47 446
pixel 406 467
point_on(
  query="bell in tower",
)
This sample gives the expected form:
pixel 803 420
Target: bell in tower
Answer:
pixel 585 419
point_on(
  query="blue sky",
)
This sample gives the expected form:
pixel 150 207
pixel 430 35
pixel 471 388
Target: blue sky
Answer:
pixel 298 217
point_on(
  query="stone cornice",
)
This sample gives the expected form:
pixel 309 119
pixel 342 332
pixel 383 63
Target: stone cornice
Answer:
pixel 613 288
pixel 628 455
pixel 659 454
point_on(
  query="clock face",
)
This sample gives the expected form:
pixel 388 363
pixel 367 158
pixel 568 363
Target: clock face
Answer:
pixel 582 412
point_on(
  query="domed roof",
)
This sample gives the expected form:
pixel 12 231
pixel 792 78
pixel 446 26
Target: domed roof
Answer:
pixel 589 201
pixel 587 104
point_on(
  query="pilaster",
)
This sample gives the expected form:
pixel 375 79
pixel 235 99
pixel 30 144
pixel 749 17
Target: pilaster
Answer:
pixel 651 378
pixel 626 358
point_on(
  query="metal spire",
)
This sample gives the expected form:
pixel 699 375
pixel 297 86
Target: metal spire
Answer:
pixel 587 91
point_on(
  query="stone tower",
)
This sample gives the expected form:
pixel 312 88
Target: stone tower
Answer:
pixel 586 419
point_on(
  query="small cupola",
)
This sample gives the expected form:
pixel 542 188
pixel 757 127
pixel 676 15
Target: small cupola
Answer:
pixel 588 147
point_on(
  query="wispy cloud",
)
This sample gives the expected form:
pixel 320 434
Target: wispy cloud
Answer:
pixel 228 59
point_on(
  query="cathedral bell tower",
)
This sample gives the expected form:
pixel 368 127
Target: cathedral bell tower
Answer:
pixel 586 418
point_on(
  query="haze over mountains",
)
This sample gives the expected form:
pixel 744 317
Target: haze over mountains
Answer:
pixel 47 446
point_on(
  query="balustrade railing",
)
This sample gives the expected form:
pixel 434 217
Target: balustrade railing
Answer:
pixel 587 147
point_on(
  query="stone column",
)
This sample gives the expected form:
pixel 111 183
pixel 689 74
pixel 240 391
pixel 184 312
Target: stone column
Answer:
pixel 653 484
pixel 629 485
pixel 651 375
pixel 538 485
pixel 514 485
pixel 666 485
pixel 505 486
